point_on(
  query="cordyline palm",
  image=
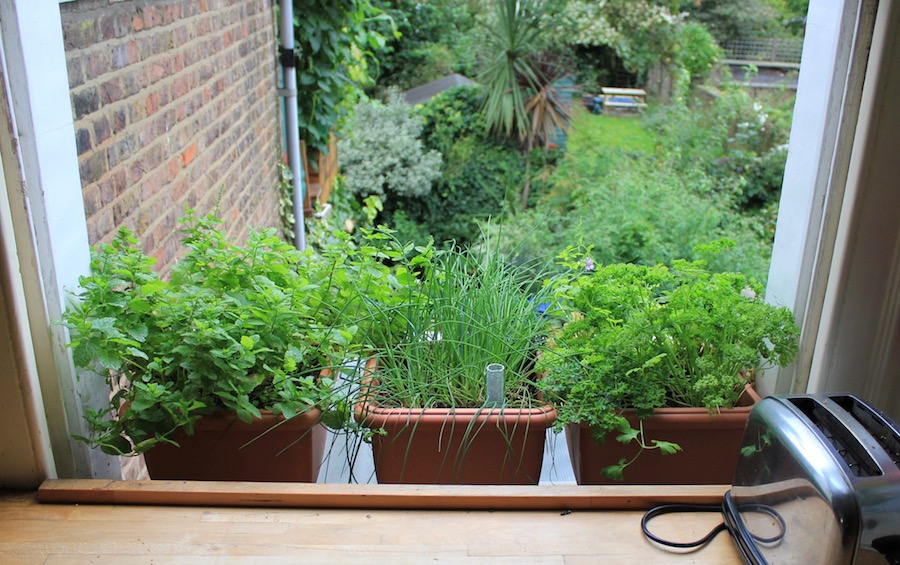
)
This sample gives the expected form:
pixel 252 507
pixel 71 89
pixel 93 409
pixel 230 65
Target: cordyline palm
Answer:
pixel 521 100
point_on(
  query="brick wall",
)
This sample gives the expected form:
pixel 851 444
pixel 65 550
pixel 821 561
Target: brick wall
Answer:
pixel 175 105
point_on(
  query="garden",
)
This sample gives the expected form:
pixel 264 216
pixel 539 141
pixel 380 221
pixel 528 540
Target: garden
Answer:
pixel 499 262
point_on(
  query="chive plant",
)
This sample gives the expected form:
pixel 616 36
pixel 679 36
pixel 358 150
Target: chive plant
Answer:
pixel 466 312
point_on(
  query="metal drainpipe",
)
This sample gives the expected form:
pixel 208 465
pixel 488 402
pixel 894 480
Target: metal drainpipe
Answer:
pixel 289 93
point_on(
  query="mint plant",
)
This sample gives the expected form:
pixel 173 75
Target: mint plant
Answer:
pixel 641 337
pixel 238 328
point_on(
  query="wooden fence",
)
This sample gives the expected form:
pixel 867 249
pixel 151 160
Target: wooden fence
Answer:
pixel 320 174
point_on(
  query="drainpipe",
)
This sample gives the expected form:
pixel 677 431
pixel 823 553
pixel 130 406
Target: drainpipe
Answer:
pixel 289 93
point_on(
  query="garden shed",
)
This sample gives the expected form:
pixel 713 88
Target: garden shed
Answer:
pixel 427 91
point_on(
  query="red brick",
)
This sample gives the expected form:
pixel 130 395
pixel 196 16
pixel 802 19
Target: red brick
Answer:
pixel 96 64
pixel 107 191
pixel 101 225
pixel 152 103
pixel 119 181
pixel 111 91
pixel 93 167
pixel 158 71
pixel 188 155
pixel 79 34
pixel 76 76
pixel 119 120
pixel 83 141
pixel 107 24
pixel 101 130
pixel 91 200
pixel 149 14
pixel 180 188
pixel 134 53
pixel 226 104
pixel 173 166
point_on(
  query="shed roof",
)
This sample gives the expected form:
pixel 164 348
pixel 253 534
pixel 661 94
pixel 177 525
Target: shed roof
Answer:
pixel 424 93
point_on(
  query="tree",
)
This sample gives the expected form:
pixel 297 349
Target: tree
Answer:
pixel 641 32
pixel 729 20
pixel 436 38
pixel 521 99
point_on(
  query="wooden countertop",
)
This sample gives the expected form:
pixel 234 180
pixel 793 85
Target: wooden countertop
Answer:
pixel 224 523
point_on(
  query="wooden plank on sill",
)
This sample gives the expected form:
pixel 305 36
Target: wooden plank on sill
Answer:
pixel 301 495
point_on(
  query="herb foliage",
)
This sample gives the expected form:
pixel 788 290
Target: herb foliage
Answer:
pixel 645 337
pixel 240 328
pixel 468 311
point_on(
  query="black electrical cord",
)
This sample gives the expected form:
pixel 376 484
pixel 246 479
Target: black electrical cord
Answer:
pixel 672 508
pixel 732 524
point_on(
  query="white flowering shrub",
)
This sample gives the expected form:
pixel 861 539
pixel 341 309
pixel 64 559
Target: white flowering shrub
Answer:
pixel 641 32
pixel 381 153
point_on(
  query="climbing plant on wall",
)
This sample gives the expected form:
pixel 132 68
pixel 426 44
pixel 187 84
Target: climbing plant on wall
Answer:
pixel 337 44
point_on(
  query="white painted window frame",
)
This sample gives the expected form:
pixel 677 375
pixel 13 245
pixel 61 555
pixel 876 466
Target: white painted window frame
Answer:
pixel 813 250
pixel 836 259
pixel 825 114
pixel 48 219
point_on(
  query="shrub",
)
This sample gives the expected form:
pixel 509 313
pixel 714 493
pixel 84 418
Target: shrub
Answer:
pixel 631 205
pixel 698 51
pixel 435 39
pixel 640 214
pixel 382 153
pixel 737 141
pixel 336 43
pixel 239 327
pixel 451 115
pixel 480 175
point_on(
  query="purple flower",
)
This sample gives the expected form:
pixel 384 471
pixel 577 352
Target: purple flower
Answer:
pixel 589 264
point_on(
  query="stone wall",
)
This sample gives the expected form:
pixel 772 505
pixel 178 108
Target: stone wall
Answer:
pixel 175 106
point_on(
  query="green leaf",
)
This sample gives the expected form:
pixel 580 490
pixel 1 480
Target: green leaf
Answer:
pixel 247 342
pixel 140 305
pixel 136 352
pixel 115 446
pixel 615 472
pixel 153 287
pixel 138 332
pixel 628 435
pixel 667 447
pixel 106 326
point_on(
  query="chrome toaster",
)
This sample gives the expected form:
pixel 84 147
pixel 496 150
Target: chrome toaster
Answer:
pixel 818 481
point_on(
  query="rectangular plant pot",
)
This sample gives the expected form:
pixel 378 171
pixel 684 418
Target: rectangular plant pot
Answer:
pixel 710 447
pixel 459 446
pixel 224 448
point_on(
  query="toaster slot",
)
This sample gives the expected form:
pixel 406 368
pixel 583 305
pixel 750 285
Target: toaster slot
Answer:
pixel 884 433
pixel 857 460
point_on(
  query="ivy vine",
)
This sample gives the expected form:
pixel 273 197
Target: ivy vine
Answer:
pixel 337 45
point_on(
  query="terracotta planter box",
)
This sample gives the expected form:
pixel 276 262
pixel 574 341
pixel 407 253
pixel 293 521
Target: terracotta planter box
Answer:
pixel 460 446
pixel 219 450
pixel 710 447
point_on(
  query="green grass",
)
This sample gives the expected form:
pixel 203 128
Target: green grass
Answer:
pixel 614 132
pixel 596 147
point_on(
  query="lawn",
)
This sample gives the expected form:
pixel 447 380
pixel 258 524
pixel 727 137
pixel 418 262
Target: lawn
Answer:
pixel 613 132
